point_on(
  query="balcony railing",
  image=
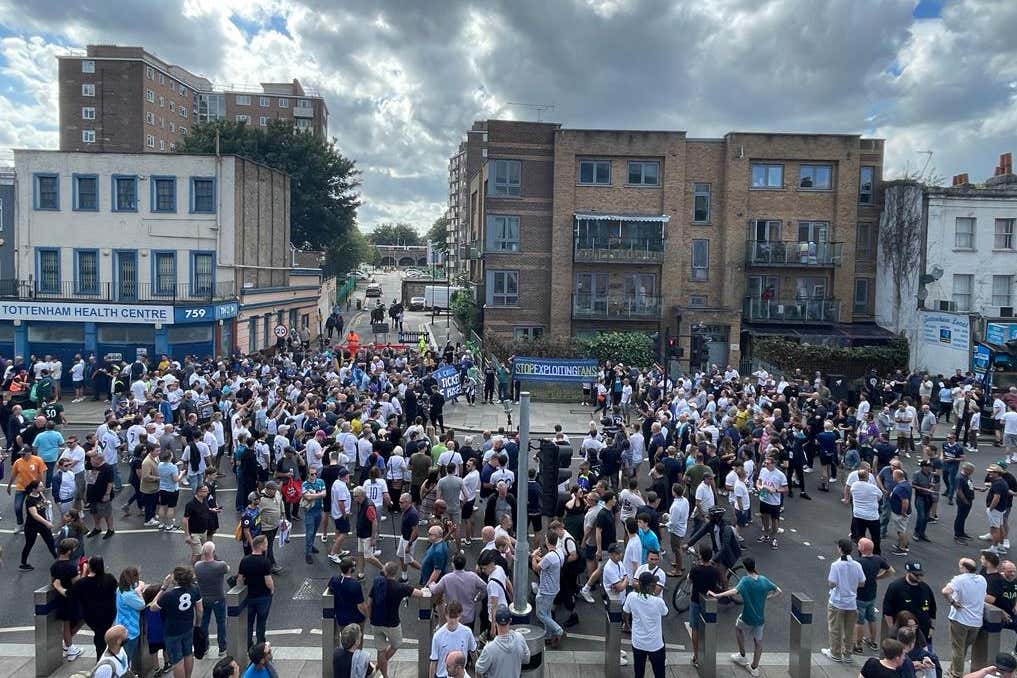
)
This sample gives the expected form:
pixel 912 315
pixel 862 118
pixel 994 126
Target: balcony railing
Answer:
pixel 607 307
pixel 792 253
pixel 123 292
pixel 791 310
pixel 627 250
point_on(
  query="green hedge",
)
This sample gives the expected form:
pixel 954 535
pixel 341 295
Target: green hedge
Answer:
pixel 850 362
pixel 630 348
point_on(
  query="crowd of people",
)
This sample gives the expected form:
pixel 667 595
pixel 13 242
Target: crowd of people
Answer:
pixel 672 476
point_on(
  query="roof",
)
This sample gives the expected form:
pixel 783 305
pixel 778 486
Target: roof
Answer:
pixel 870 331
pixel 623 217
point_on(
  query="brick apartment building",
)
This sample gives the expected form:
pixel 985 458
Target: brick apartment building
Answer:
pixel 571 232
pixel 126 100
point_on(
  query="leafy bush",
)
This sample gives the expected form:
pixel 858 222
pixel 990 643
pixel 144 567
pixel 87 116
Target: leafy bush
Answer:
pixel 630 348
pixel 850 362
pixel 463 310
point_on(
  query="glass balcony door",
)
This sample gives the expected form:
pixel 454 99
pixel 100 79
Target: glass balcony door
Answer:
pixel 591 292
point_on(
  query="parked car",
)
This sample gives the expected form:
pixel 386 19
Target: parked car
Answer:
pixel 373 290
pixel 416 303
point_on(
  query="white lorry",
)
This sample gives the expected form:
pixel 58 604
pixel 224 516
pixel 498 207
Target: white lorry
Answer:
pixel 438 296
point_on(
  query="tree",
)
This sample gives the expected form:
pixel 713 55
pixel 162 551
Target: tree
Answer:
pixel 323 183
pixel 348 250
pixel 394 234
pixel 900 236
pixel 437 235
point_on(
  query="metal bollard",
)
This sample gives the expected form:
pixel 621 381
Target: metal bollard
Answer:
pixel 534 637
pixel 612 634
pixel 986 645
pixel 143 662
pixel 708 640
pixel 425 628
pixel 329 631
pixel 49 632
pixel 237 633
pixel 800 646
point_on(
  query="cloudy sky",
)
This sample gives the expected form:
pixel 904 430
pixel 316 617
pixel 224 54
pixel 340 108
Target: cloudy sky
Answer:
pixel 403 80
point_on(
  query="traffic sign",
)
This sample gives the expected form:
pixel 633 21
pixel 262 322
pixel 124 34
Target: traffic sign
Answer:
pixel 280 331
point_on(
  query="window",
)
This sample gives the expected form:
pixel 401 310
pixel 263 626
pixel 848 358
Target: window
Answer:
pixel 502 233
pixel 164 194
pixel 188 334
pixel 149 72
pixel 164 273
pixel 183 90
pixel 150 141
pixel 172 107
pixel 697 300
pixel 57 333
pixel 47 192
pixel 149 96
pixel 506 177
pixel 126 334
pixel 644 173
pixel 48 269
pixel 813 231
pixel 963 283
pixel 865 179
pixel 87 66
pixel 162 102
pixel 88 136
pixel 86 271
pixel 700 259
pixel 242 118
pixel 767 176
pixel 263 121
pixel 595 172
pixel 293 317
pixel 87 89
pixel 88 113
pixel 1004 239
pixel 125 193
pixel 284 103
pixel 183 112
pixel 527 333
pixel 173 126
pixel 264 102
pixel 203 194
pixel 861 304
pixel 864 241
pixel 162 145
pixel 815 177
pixel 150 118
pixel 766 230
pixel 1001 285
pixel 243 100
pixel 252 335
pixel 86 192
pixel 162 78
pixel 302 103
pixel 303 123
pixel 202 273
pixel 503 288
pixel 183 131
pixel 964 233
pixel 700 203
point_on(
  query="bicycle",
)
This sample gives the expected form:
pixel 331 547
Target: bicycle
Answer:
pixel 681 597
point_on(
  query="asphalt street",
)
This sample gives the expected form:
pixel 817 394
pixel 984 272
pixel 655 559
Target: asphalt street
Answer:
pixel 800 565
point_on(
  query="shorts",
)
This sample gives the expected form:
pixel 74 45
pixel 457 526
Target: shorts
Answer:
pixel 866 611
pixel 676 547
pixel 743 518
pixel 195 543
pixel 590 551
pixel 995 517
pixel 696 615
pixel 468 509
pixel 79 486
pixel 754 632
pixel 364 546
pixel 178 647
pixel 168 499
pixel 900 523
pixel 456 517
pixel 1010 440
pixel 404 551
pixel 415 494
pixel 101 509
pixel 388 636
pixel 772 510
pixel 342 525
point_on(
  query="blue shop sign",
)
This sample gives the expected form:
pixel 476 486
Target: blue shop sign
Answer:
pixel 980 358
pixel 1000 333
pixel 202 314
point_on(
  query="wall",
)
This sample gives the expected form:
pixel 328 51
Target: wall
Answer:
pixel 8 212
pixel 118 102
pixel 262 204
pixel 303 293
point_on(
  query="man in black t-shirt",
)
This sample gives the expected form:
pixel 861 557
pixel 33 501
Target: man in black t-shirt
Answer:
pixel 256 573
pixel 1001 591
pixel 875 567
pixel 100 495
pixel 912 594
pixel 383 611
pixel 197 518
pixel 180 602
pixel 705 577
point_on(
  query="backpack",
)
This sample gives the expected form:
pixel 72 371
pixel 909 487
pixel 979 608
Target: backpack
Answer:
pixel 292 491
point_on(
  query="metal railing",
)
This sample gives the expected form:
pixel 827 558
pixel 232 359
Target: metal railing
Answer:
pixel 622 307
pixel 629 250
pixel 804 310
pixel 123 292
pixel 792 253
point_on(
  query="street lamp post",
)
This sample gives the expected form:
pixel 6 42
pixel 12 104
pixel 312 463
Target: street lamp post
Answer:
pixel 521 566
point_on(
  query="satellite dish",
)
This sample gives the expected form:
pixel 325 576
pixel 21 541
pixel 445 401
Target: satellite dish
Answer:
pixel 936 272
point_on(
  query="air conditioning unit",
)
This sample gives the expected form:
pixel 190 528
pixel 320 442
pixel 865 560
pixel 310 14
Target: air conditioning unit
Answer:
pixel 1006 311
pixel 947 305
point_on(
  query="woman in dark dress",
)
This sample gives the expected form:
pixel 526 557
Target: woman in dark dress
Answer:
pixel 96 593
pixel 36 524
pixel 64 572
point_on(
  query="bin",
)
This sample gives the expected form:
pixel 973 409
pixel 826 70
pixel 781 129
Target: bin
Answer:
pixel 534 637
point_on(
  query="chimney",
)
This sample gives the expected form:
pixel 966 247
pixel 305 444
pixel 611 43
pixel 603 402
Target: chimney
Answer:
pixel 1006 163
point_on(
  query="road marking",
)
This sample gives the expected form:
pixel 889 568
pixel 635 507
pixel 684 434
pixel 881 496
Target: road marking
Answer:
pixel 625 641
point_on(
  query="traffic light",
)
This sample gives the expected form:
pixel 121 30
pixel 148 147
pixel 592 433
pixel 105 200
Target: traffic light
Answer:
pixel 672 347
pixel 700 353
pixel 555 468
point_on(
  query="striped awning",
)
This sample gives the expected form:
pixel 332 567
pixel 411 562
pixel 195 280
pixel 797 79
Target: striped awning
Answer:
pixel 659 218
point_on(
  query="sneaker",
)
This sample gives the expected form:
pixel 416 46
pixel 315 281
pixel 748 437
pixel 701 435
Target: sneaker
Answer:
pixel 1006 543
pixel 858 649
pixel 898 551
pixel 830 655
pixel 109 533
pixel 740 659
pixel 334 557
pixel 223 653
pixel 20 529
pixel 25 567
pixel 403 577
pixel 773 544
pixel 585 593
pixel 161 526
pixel 152 523
pixel 343 554
pixel 94 533
pixel 377 553
pixel 308 559
pixel 753 671
pixel 871 644
pixel 985 537
pixel 72 652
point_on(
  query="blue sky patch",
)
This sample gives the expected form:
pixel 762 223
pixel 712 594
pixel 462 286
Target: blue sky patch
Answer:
pixel 928 9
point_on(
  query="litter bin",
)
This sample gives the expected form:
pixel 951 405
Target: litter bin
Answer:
pixel 534 637
pixel 360 304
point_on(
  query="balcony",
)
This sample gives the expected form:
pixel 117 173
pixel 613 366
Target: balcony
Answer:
pixel 590 307
pixel 793 253
pixel 129 293
pixel 619 251
pixel 805 310
pixel 303 111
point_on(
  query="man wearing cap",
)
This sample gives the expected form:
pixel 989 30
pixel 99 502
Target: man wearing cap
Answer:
pixel 910 593
pixel 966 595
pixel 270 508
pixel 505 655
pixel 1003 667
pixel 997 502
pixel 922 483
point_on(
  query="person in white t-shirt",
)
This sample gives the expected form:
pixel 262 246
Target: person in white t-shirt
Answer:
pixel 78 378
pixel 966 593
pixel 741 501
pixel 633 548
pixel 342 501
pixel 450 637
pixel 652 565
pixel 677 526
pixel 864 496
pixel 648 611
pixel 771 485
pixel 1010 433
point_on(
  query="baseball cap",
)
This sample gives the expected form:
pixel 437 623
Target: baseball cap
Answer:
pixel 502 616
pixel 925 462
pixel 914 567
pixel 1005 662
pixel 1002 463
pixel 994 468
pixel 614 548
pixel 343 472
